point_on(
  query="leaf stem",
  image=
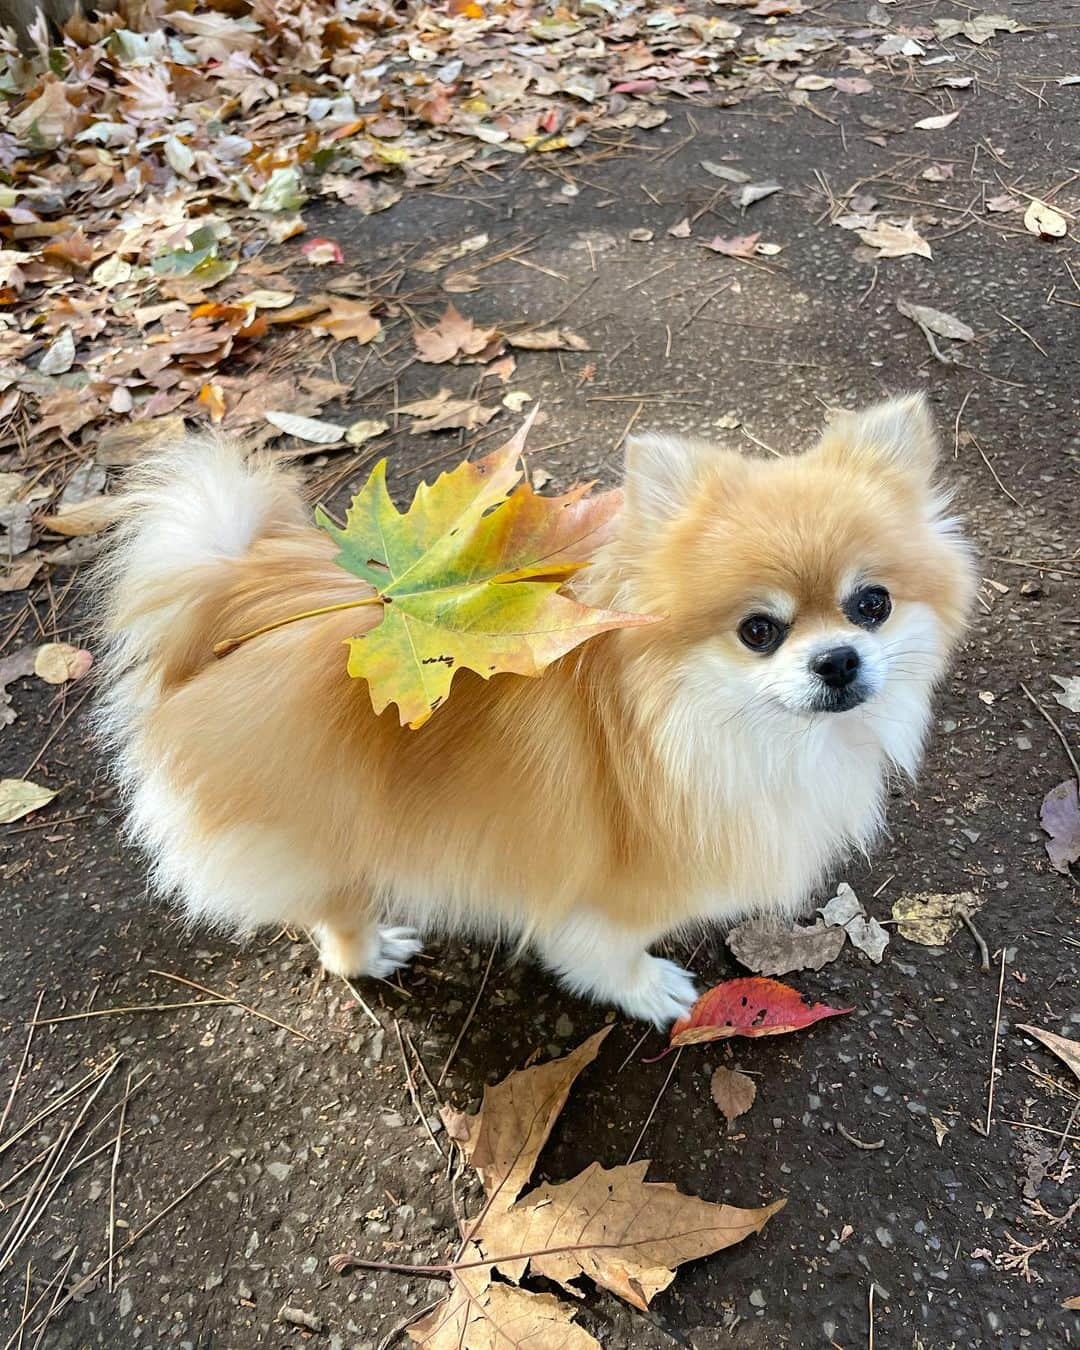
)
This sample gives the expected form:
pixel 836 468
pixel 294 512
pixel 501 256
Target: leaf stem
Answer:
pixel 230 644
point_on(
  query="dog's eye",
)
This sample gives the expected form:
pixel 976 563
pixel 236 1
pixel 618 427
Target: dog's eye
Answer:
pixel 760 633
pixel 869 607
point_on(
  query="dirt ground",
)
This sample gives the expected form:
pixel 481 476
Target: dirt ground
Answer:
pixel 940 1235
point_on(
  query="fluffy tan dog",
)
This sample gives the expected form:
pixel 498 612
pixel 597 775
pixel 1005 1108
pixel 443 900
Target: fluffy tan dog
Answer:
pixel 657 778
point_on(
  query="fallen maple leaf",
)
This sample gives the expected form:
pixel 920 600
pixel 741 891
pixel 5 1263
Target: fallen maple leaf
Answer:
pixel 350 319
pixel 468 577
pixel 1067 1051
pixel 733 1092
pixel 453 336
pixel 1060 818
pixel 625 1233
pixel 753 1006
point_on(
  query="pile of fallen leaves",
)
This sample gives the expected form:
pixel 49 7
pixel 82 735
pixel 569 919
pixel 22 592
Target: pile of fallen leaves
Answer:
pixel 162 169
pixel 607 1224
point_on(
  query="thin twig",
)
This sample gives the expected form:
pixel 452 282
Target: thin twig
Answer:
pixel 656 1103
pixel 412 1092
pixel 131 1008
pixel 640 1042
pixel 465 1025
pixel 956 425
pixel 112 1179
pixel 994 474
pixel 265 1017
pixel 53 1106
pixel 993 1055
pixel 1057 731
pixel 980 941
pixel 751 437
pixel 22 1065
pixel 859 1143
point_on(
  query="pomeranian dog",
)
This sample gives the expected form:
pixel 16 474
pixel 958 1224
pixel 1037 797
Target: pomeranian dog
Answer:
pixel 659 777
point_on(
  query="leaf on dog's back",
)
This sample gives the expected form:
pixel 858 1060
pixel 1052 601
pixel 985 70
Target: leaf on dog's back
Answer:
pixel 470 577
pixel 748 1007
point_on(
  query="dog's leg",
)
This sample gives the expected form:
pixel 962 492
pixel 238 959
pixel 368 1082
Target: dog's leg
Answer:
pixel 598 959
pixel 351 943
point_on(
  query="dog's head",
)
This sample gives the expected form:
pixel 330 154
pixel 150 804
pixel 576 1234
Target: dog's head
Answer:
pixel 821 583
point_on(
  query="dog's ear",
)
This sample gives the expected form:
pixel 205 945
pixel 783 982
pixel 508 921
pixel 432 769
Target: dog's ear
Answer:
pixel 899 432
pixel 663 472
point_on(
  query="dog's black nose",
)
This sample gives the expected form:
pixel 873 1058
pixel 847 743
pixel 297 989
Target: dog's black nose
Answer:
pixel 837 667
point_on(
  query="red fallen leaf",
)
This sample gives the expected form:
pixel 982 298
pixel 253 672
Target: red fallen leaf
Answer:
pixel 742 246
pixel 634 87
pixel 322 251
pixel 753 1006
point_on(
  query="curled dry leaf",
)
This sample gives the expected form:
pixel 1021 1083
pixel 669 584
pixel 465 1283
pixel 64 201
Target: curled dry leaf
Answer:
pixel 944 325
pixel 310 429
pixel 769 948
pixel 937 123
pixel 930 918
pixel 1068 1051
pixel 14 666
pixel 681 230
pixel 750 193
pixel 896 241
pixel 365 429
pixel 86 517
pixel 548 340
pixel 319 252
pixel 727 172
pixel 58 662
pixel 474 570
pixel 1068 693
pixel 626 1234
pixel 1043 220
pixel 740 246
pixel 978 29
pixel 1060 818
pixel 845 911
pixel 733 1092
pixel 443 413
pixel 748 1007
pixel 18 797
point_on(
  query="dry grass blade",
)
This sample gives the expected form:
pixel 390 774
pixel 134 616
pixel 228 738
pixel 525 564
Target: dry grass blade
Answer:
pixel 226 998
pixel 22 1065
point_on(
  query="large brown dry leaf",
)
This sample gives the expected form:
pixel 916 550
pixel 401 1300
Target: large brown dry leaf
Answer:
pixel 503 1140
pixel 625 1233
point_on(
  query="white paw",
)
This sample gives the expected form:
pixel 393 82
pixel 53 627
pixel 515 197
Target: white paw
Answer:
pixel 392 949
pixel 661 993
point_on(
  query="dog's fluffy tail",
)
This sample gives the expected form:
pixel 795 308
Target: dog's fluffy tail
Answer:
pixel 185 515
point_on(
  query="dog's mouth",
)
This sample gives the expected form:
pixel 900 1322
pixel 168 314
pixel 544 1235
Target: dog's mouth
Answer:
pixel 840 700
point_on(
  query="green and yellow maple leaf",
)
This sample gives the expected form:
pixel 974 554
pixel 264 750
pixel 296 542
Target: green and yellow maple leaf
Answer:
pixel 469 577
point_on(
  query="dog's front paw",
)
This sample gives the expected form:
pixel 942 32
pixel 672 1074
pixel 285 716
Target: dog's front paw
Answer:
pixel 392 949
pixel 660 993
